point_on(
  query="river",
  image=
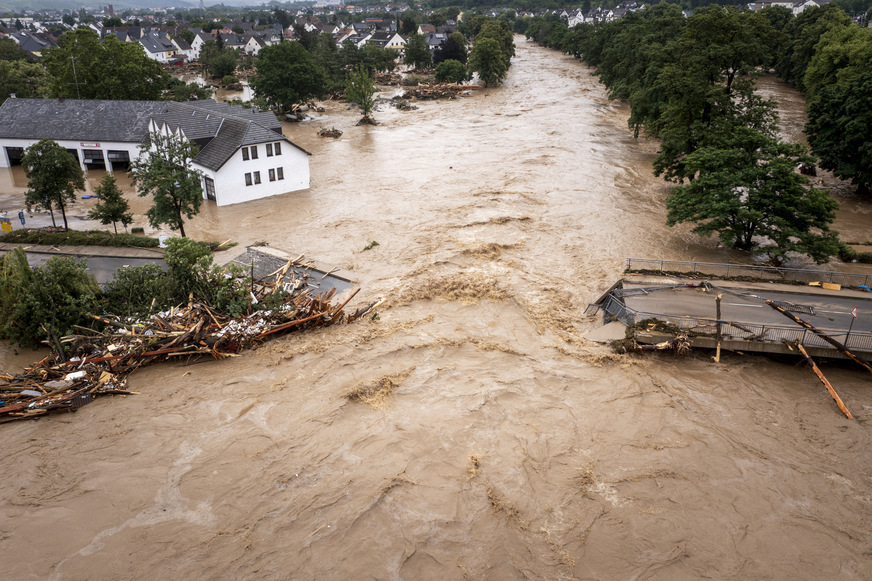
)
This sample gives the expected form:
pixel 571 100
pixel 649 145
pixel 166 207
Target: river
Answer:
pixel 506 446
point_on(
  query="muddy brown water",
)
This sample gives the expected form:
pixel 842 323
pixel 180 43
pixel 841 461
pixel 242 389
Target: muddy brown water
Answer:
pixel 499 444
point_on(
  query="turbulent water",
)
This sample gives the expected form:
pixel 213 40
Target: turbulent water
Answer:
pixel 491 441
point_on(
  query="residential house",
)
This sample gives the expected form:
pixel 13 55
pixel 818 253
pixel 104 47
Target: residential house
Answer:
pixel 426 29
pixel 184 49
pixel 198 42
pixel 253 44
pixel 243 154
pixel 158 47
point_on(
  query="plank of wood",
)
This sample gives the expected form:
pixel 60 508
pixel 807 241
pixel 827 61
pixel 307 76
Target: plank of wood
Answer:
pixel 826 383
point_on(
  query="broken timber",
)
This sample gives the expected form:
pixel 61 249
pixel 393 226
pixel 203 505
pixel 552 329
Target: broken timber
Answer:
pixel 826 383
pixel 820 334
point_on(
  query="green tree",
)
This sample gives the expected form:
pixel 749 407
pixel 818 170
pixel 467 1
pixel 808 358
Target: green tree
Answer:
pixel 805 31
pixel 417 53
pixel 454 48
pixel 52 298
pixel 22 79
pixel 223 64
pixel 488 61
pixel 451 71
pixel 187 35
pixel 843 53
pixel 360 89
pixel 499 31
pixel 82 66
pixel 112 207
pixel 839 130
pixel 749 194
pixel 54 176
pixel 112 22
pixel 287 75
pixel 10 51
pixel 163 171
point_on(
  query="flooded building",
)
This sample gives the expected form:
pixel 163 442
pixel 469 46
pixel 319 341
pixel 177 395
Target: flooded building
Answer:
pixel 242 153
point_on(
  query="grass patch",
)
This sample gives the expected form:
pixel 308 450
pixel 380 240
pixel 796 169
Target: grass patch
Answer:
pixel 50 237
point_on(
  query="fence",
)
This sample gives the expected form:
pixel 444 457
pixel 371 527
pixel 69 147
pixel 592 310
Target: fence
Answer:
pixel 768 273
pixel 861 341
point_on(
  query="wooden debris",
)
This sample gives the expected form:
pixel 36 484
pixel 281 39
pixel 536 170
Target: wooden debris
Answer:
pixel 826 383
pixel 436 91
pixel 831 286
pixel 194 330
pixel 820 334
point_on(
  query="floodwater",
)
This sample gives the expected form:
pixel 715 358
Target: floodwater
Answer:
pixel 501 444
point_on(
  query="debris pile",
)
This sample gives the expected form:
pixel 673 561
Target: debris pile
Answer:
pixel 105 359
pixel 437 91
pixel 392 79
pixel 332 132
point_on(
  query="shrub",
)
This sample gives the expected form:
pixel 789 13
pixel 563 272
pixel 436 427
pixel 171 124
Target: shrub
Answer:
pixel 56 297
pixel 451 71
pixel 133 290
pixel 229 80
pixel 79 238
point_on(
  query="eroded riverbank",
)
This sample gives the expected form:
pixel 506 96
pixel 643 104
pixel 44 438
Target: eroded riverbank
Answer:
pixel 510 447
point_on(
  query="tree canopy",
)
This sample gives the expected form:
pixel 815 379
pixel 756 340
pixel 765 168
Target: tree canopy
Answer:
pixel 163 172
pixel 360 89
pixel 54 177
pixel 488 61
pixel 112 207
pixel 83 67
pixel 417 53
pixel 839 130
pixel 749 193
pixel 287 75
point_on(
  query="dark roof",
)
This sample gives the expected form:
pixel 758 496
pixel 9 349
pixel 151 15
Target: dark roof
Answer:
pixel 127 121
pixel 182 43
pixel 70 119
pixel 228 127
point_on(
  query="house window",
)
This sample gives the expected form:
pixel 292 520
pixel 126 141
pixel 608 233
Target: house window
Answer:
pixel 253 152
pixel 269 149
pixel 210 189
pixel 278 148
pixel 244 154
pixel 280 172
pixel 272 175
pixel 257 177
pixel 248 179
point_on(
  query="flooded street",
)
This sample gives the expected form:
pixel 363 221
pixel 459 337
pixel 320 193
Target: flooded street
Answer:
pixel 510 447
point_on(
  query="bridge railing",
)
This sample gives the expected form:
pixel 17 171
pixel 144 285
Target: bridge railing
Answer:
pixel 858 340
pixel 768 273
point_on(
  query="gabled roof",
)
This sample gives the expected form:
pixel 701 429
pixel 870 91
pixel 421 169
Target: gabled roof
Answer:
pixel 181 43
pixel 70 119
pixel 228 127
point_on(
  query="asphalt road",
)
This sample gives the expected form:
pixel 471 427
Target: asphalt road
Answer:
pixel 832 312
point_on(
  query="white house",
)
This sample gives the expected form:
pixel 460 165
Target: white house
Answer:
pixel 158 47
pixel 198 43
pixel 253 44
pixel 243 154
pixel 184 49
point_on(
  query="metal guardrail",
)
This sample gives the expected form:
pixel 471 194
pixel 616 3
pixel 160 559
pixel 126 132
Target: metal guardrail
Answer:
pixel 744 270
pixel 861 341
